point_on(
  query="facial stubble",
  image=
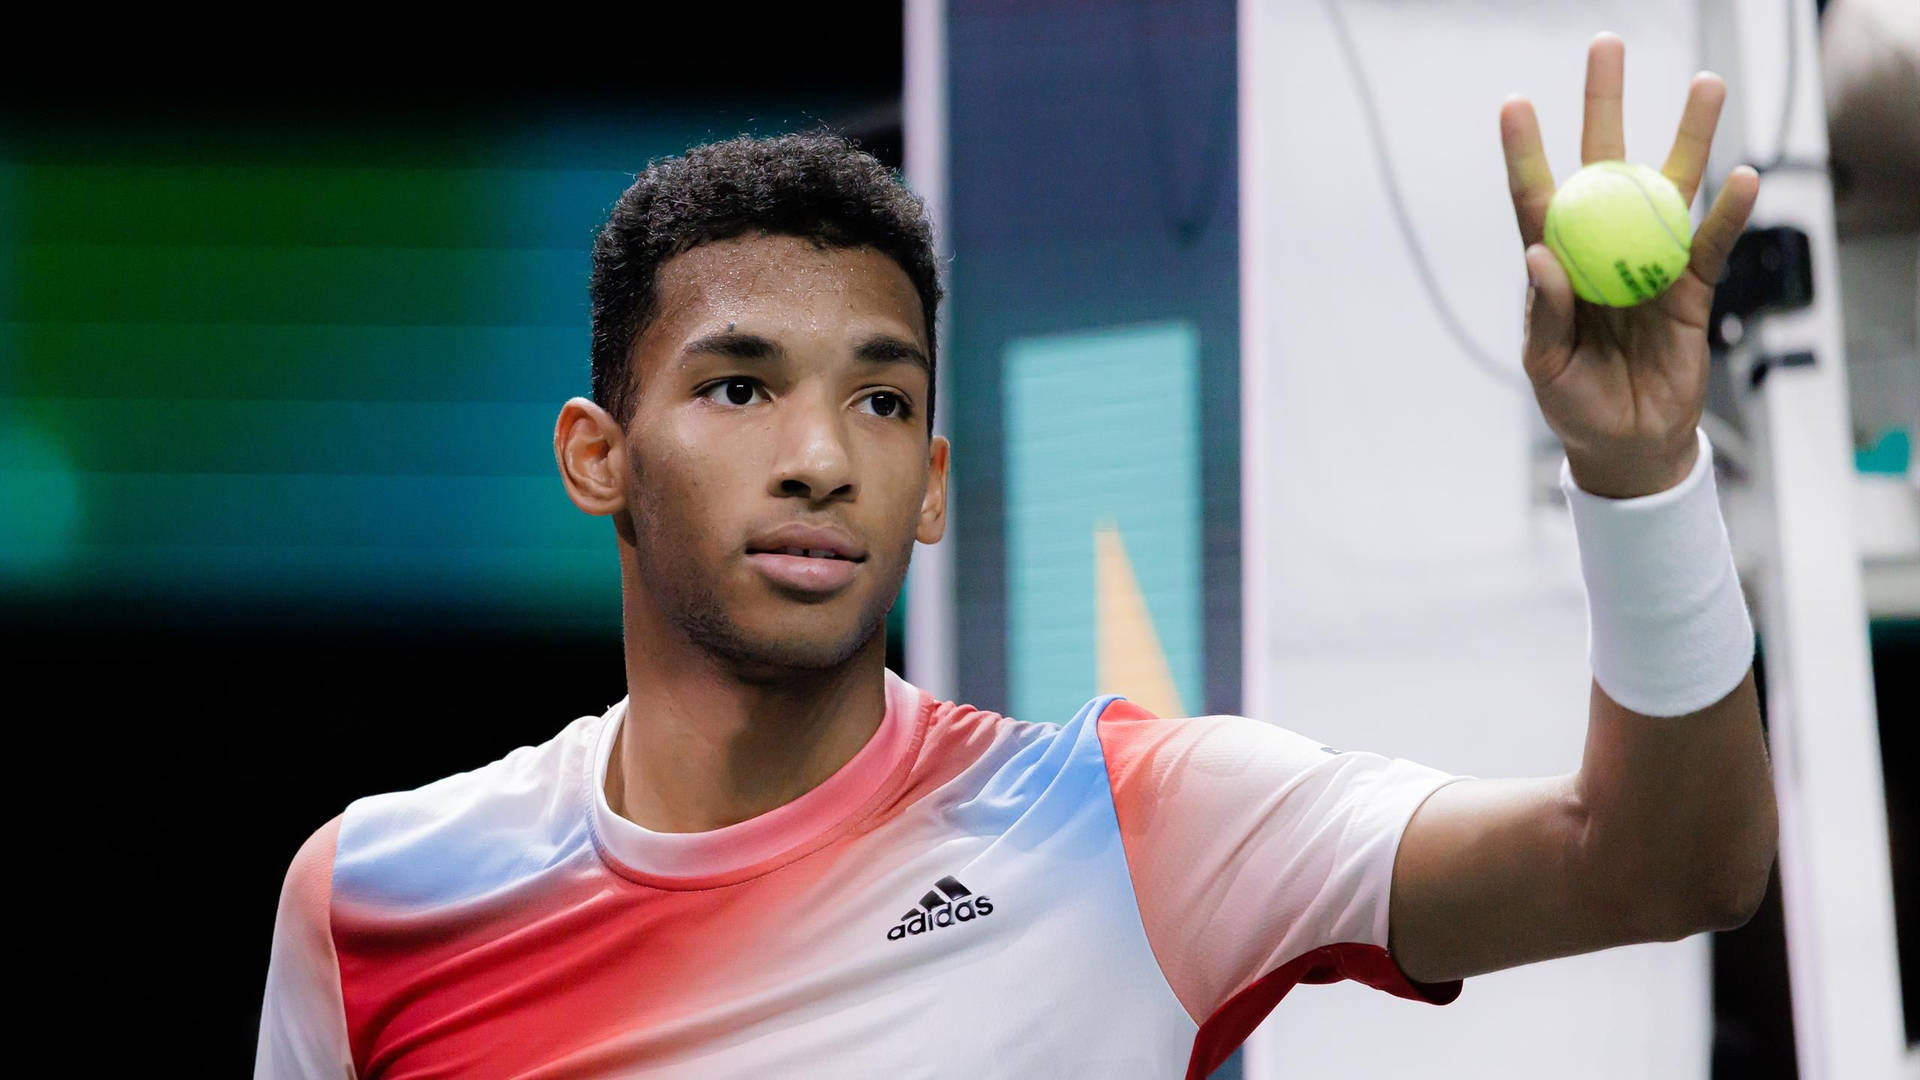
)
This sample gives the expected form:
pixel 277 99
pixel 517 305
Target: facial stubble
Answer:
pixel 685 594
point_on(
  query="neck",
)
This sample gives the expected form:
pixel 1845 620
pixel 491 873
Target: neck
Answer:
pixel 703 747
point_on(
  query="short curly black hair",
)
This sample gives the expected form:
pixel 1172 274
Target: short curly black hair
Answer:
pixel 815 185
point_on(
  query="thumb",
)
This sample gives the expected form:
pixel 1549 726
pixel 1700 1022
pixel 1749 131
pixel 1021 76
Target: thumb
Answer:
pixel 1549 344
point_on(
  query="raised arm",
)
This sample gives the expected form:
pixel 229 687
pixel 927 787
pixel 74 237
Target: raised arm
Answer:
pixel 1668 827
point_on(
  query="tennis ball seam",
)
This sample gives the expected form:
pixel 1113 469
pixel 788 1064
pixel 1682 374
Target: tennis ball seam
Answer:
pixel 1553 240
pixel 1658 217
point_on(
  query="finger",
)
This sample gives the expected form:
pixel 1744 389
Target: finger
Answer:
pixel 1529 179
pixel 1549 345
pixel 1688 158
pixel 1600 137
pixel 1724 222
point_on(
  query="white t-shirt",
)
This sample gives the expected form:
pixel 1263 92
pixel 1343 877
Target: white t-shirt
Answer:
pixel 969 896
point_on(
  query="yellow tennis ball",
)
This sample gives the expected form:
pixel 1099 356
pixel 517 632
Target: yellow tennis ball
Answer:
pixel 1621 231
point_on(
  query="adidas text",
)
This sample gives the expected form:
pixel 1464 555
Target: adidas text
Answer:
pixel 951 903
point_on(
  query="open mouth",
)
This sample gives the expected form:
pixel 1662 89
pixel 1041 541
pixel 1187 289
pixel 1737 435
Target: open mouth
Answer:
pixel 808 553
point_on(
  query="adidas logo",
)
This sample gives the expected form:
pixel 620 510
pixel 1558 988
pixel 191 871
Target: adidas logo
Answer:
pixel 948 902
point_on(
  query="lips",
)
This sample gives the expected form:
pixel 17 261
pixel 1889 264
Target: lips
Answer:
pixel 808 541
pixel 816 559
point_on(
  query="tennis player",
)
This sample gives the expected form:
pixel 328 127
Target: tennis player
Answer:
pixel 774 857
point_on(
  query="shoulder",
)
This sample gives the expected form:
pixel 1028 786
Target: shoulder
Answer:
pixel 1176 772
pixel 1112 734
pixel 302 1014
pixel 981 736
pixel 957 743
pixel 471 833
pixel 965 730
pixel 307 893
pixel 1142 749
pixel 996 768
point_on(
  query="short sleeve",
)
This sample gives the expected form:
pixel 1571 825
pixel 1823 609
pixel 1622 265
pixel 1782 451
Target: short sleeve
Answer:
pixel 1258 854
pixel 303 1023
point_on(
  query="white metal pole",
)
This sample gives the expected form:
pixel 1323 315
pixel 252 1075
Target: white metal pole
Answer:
pixel 931 649
pixel 1836 880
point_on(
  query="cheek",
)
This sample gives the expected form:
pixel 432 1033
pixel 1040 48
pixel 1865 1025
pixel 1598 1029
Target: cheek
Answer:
pixel 900 473
pixel 685 497
pixel 905 487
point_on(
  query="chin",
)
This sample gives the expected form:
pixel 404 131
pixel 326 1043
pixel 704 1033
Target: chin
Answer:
pixel 809 638
pixel 812 642
pixel 783 657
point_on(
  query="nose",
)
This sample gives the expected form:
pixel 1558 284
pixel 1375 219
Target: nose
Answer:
pixel 814 460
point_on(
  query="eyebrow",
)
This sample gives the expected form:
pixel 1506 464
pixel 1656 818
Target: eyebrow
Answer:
pixel 879 349
pixel 734 346
pixel 885 349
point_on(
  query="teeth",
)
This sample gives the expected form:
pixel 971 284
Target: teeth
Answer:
pixel 809 553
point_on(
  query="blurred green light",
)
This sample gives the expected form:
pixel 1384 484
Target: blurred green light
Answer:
pixel 39 502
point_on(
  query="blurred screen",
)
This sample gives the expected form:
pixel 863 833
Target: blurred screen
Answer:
pixel 1094 328
pixel 308 368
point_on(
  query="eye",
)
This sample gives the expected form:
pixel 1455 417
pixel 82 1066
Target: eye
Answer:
pixel 889 404
pixel 734 391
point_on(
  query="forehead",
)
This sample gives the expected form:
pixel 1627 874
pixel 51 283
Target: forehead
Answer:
pixel 784 282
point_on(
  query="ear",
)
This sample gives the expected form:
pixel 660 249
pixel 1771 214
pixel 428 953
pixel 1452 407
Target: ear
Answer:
pixel 590 449
pixel 933 508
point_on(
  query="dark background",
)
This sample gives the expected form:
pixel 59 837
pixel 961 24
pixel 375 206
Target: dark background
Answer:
pixel 175 753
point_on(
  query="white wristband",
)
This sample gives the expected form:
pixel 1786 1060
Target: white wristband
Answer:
pixel 1667 627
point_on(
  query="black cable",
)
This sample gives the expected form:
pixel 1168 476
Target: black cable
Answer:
pixel 1508 377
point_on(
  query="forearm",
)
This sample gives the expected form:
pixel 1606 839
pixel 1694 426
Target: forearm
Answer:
pixel 1679 820
pixel 1680 823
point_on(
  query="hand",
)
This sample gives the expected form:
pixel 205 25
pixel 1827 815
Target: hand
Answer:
pixel 1623 387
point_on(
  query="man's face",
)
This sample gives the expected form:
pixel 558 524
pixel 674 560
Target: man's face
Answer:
pixel 778 460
